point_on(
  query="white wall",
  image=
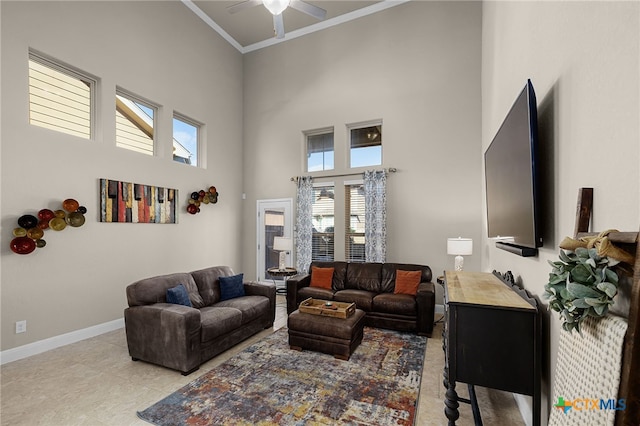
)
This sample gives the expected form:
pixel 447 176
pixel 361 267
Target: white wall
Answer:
pixel 158 50
pixel 583 59
pixel 416 67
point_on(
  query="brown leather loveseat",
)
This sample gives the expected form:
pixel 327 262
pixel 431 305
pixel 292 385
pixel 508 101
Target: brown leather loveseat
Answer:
pixel 371 287
pixel 182 337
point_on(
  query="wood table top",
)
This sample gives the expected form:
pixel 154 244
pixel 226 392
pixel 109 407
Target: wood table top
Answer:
pixel 482 288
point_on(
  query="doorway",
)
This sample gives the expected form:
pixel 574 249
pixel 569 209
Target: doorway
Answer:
pixel 275 219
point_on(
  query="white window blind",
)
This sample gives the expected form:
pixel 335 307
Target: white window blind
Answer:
pixel 320 152
pixel 354 223
pixel 322 243
pixel 59 98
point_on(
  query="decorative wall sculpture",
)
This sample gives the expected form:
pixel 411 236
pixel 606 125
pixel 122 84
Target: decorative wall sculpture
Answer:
pixel 28 235
pixel 136 203
pixel 199 197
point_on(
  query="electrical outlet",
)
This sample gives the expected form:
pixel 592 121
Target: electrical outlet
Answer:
pixel 21 326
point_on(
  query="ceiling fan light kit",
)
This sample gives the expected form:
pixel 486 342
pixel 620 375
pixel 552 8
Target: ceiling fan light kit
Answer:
pixel 276 7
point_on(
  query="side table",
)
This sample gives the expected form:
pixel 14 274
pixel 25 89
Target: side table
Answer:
pixel 285 273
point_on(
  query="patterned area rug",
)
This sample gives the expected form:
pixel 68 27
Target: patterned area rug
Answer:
pixel 270 384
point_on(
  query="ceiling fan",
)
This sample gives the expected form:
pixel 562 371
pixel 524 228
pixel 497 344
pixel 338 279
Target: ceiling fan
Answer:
pixel 276 7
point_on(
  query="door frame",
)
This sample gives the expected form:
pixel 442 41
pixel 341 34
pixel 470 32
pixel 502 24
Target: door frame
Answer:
pixel 286 204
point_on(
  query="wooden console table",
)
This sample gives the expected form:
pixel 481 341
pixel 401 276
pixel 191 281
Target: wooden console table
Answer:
pixel 492 338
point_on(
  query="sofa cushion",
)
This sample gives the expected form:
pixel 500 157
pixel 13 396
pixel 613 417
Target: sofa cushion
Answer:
pixel 178 296
pixel 362 298
pixel 339 272
pixel 206 281
pixel 401 304
pixel 154 290
pixel 407 282
pixel 364 276
pixel 251 307
pixel 388 279
pixel 315 293
pixel 321 277
pixel 216 321
pixel 231 287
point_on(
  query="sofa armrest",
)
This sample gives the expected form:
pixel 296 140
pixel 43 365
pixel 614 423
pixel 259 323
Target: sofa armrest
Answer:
pixel 254 288
pixel 164 334
pixel 294 284
pixel 426 300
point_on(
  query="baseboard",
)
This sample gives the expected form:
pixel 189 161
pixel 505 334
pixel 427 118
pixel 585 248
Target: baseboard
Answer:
pixel 524 405
pixel 40 346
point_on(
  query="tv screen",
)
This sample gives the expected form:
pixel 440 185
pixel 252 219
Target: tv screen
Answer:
pixel 510 173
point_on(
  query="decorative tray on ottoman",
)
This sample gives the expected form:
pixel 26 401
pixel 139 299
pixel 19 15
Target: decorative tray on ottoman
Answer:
pixel 327 308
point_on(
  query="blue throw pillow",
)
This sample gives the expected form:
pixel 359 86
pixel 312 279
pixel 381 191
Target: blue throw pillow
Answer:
pixel 231 287
pixel 178 296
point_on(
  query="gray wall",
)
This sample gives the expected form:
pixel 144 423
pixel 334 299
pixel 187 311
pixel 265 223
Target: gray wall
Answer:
pixel 158 50
pixel 583 59
pixel 416 67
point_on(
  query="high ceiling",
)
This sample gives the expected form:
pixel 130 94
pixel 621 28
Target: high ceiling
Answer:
pixel 252 28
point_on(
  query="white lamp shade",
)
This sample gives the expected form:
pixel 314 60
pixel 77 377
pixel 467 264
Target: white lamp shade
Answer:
pixel 276 7
pixel 282 243
pixel 460 246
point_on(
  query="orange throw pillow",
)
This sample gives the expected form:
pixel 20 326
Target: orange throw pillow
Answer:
pixel 321 277
pixel 407 282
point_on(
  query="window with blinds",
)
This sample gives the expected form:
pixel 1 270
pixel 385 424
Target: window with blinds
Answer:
pixel 320 151
pixel 60 98
pixel 366 146
pixel 134 123
pixel 322 241
pixel 354 223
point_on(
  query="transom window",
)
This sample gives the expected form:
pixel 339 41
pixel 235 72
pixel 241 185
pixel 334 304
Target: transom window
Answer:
pixel 186 139
pixel 320 151
pixel 135 120
pixel 60 98
pixel 366 146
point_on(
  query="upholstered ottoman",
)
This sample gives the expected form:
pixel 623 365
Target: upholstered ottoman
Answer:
pixel 336 336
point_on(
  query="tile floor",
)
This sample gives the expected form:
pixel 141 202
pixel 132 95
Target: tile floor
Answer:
pixel 94 382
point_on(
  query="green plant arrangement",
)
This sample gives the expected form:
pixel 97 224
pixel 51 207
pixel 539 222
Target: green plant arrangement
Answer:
pixel 581 284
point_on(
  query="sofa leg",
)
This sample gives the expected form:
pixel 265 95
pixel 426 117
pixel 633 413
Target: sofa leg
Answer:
pixel 135 359
pixel 186 373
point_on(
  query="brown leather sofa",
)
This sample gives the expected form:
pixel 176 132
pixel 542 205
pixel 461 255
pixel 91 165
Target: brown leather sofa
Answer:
pixel 371 287
pixel 182 337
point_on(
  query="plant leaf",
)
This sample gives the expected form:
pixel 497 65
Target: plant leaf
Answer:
pixel 581 303
pixel 591 301
pixel 601 309
pixel 580 291
pixel 611 276
pixel 608 288
pixel 581 273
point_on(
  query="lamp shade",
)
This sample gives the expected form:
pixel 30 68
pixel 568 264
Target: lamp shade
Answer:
pixel 276 7
pixel 282 243
pixel 459 246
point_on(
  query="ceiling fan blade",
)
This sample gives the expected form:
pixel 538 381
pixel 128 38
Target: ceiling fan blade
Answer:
pixel 309 9
pixel 243 5
pixel 278 26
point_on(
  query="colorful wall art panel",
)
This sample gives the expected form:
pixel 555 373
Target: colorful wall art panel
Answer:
pixel 136 203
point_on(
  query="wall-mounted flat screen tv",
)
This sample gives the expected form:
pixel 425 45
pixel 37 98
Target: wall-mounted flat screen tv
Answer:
pixel 511 179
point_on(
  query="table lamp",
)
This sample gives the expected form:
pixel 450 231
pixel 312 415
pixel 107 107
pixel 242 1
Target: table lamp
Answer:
pixel 283 245
pixel 459 247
